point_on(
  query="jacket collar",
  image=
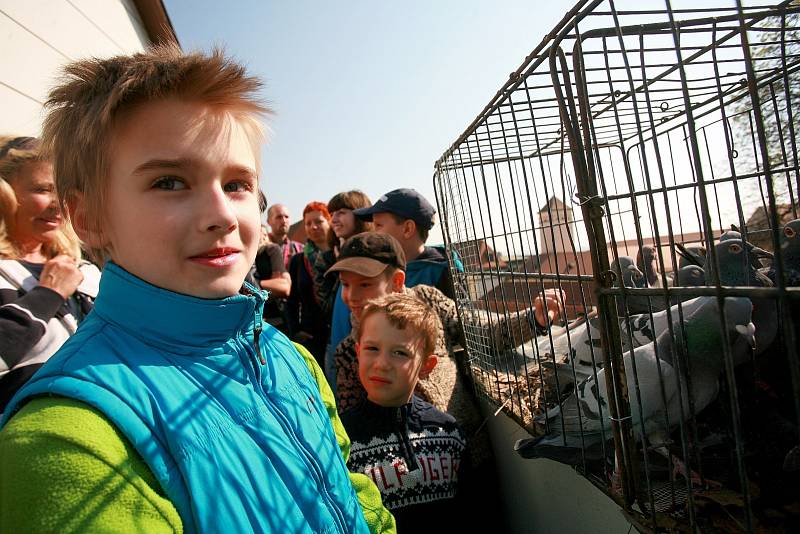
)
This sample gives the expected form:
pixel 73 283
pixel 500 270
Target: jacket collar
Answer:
pixel 393 413
pixel 180 323
pixel 431 254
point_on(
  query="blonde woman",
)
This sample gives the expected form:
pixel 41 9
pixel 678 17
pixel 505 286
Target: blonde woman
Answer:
pixel 45 288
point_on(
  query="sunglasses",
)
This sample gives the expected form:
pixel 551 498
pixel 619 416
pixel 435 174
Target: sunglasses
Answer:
pixel 19 143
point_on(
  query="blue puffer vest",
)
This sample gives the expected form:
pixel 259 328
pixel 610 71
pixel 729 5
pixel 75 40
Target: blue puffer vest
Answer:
pixel 227 416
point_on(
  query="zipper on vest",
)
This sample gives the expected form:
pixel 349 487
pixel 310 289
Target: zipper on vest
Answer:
pixel 256 336
pixel 314 467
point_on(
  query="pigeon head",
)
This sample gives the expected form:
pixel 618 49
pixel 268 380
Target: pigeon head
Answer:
pixel 691 276
pixel 647 263
pixel 736 264
pixel 739 320
pixel 729 235
pixel 695 255
pixel 627 272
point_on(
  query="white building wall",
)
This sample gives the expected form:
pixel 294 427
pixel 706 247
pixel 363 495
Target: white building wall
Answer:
pixel 37 37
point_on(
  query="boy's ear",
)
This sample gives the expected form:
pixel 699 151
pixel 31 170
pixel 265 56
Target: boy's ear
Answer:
pixel 428 366
pixel 78 215
pixel 409 228
pixel 358 350
pixel 398 281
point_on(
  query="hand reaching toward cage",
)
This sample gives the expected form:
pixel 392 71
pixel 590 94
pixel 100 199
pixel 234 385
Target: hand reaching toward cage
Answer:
pixel 511 329
pixel 548 307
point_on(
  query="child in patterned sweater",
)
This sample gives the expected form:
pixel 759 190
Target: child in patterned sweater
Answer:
pixel 412 451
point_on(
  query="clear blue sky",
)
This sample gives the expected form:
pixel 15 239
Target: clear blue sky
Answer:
pixel 368 94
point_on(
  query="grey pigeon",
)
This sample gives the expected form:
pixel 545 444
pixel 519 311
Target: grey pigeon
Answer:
pixel 736 268
pixel 632 277
pixel 647 263
pixel 736 264
pixel 582 347
pixel 687 276
pixel 694 255
pixel 628 272
pixel 690 276
pixel 658 404
pixel 727 235
pixel 734 234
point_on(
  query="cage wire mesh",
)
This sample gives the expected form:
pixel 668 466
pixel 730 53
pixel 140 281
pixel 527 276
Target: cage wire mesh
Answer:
pixel 641 167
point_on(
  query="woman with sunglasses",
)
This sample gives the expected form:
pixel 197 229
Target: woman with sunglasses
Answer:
pixel 45 288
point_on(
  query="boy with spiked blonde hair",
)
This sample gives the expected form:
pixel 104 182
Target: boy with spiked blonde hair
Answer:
pixel 412 451
pixel 173 408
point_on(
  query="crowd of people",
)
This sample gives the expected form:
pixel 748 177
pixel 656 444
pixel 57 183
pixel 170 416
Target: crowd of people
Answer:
pixel 167 362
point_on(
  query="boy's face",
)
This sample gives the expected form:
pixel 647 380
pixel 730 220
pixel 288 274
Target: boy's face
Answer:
pixel 357 289
pixel 182 199
pixel 386 223
pixel 390 361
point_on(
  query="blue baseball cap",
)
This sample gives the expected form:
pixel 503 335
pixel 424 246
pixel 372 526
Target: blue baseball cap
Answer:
pixel 407 203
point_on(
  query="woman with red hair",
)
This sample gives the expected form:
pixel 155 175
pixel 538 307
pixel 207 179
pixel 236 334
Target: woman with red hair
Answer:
pixel 307 323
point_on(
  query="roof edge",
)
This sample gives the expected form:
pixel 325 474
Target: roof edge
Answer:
pixel 156 21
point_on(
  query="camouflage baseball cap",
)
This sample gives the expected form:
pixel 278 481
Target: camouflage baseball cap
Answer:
pixel 369 254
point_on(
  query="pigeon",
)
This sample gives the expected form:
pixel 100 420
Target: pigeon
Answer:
pixel 627 271
pixel 657 404
pixel 582 345
pixel 735 235
pixel 632 277
pixel 727 235
pixel 695 255
pixel 736 268
pixel 647 263
pixel 736 264
pixel 690 276
pixel 687 276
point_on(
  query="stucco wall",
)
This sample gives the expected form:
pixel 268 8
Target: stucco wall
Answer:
pixel 38 36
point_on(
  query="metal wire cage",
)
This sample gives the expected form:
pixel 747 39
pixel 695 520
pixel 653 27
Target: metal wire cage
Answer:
pixel 641 165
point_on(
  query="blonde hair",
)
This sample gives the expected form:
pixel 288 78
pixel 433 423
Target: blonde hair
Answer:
pixel 406 312
pixel 86 106
pixel 15 154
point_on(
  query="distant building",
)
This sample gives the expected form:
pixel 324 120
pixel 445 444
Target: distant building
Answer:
pixel 38 38
pixel 556 235
pixel 557 230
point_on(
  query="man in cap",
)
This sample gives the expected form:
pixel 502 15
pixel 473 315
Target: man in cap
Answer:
pixel 408 217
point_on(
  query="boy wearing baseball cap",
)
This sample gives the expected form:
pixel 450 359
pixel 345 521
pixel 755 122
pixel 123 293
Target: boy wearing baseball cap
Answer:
pixel 408 217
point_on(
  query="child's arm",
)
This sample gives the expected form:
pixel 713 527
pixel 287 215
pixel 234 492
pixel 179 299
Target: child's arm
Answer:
pixel 65 468
pixel 378 518
pixel 349 390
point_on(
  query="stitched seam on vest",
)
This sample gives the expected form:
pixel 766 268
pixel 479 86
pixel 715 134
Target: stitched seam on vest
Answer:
pixel 214 432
